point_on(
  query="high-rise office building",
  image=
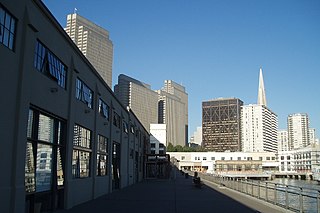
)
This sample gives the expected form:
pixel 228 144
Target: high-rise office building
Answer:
pixel 298 130
pixel 259 124
pixel 221 129
pixel 283 143
pixel 173 111
pixel 94 43
pixel 140 98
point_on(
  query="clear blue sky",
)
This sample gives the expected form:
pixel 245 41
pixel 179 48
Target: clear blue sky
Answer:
pixel 215 48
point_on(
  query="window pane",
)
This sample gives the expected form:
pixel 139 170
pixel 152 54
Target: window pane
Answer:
pixel 60 175
pixel 78 89
pixel 5 37
pixel 11 37
pixel 29 169
pixel 102 144
pixel 7 21
pixel 44 167
pixel 1 16
pixel 12 27
pixel 59 132
pixel 101 165
pixel 82 137
pixel 75 164
pixel 80 164
pixel 46 125
pixel 1 33
pixel 30 122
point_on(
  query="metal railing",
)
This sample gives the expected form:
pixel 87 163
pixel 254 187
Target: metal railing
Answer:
pixel 293 198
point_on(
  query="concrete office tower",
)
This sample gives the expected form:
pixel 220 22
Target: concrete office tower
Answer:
pixel 221 129
pixel 283 143
pixel 173 111
pixel 261 91
pixel 94 43
pixel 259 129
pixel 139 97
pixel 259 124
pixel 298 130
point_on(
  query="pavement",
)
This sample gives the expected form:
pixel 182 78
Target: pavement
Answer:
pixel 174 195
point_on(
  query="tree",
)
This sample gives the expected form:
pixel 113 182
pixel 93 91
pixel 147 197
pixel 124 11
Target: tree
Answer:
pixel 170 148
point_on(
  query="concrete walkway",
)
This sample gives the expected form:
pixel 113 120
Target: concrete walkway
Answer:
pixel 176 195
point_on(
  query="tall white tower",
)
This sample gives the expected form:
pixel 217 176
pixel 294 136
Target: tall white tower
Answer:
pixel 298 130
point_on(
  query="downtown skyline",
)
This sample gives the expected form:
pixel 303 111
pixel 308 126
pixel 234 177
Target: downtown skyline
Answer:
pixel 215 49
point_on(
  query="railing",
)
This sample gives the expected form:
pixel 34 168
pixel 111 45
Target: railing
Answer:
pixel 293 198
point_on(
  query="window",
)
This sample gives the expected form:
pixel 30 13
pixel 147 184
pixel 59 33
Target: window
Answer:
pixel 239 158
pixel 204 158
pixel 104 109
pixel 132 129
pixel 102 156
pixel 125 127
pixel 7 28
pixel 84 93
pixel 153 145
pixel 213 158
pixel 288 157
pixel 249 158
pixel 260 158
pixel 268 158
pixel 46 62
pixel 81 152
pixel 44 163
pixel 222 158
pixel 116 119
pixel 183 157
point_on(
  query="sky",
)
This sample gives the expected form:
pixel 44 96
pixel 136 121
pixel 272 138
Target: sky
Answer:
pixel 215 48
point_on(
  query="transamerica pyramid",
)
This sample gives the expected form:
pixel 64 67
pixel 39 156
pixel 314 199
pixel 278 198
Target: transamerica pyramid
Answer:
pixel 261 93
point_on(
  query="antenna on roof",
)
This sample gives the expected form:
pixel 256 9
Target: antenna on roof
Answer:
pixel 75 10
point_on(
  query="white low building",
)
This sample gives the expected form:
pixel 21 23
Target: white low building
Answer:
pixel 206 161
pixel 300 160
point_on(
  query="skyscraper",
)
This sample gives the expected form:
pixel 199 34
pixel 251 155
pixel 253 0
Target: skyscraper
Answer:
pixel 259 124
pixel 173 111
pixel 298 130
pixel 94 43
pixel 221 129
pixel 139 97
